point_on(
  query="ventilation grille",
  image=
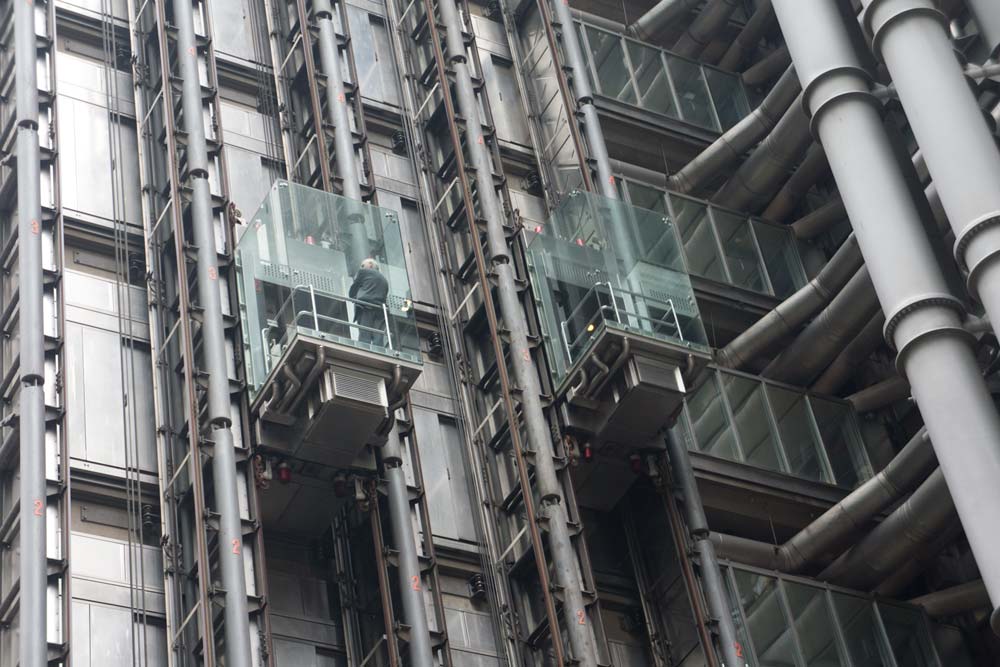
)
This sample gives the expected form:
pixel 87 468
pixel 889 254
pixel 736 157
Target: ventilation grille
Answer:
pixel 343 385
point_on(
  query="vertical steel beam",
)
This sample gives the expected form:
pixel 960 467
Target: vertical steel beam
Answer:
pixel 31 424
pixel 923 320
pixel 565 562
pixel 219 416
pixel 711 578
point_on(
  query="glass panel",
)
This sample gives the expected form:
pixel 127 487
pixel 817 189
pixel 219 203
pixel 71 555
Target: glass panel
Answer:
pixel 692 91
pixel 844 448
pixel 756 439
pixel 950 646
pixel 713 434
pixel 603 263
pixel 608 60
pixel 738 247
pixel 766 620
pixel 729 97
pixel 743 640
pixel 907 635
pixel 646 196
pixel 861 632
pixel 695 229
pixel 781 257
pixel 791 413
pixel 325 266
pixel 651 79
pixel 813 625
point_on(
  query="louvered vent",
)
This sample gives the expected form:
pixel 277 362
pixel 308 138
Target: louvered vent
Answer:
pixel 361 388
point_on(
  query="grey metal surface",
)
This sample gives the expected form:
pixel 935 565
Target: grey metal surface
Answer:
pixel 710 20
pixel 697 525
pixel 33 560
pixel 987 15
pixel 749 38
pixel 923 318
pixel 218 417
pixel 659 16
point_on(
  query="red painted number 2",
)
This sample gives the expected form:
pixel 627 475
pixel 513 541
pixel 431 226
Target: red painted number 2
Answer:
pixel 581 617
pixel 38 507
pixel 236 547
pixel 739 649
pixel 415 582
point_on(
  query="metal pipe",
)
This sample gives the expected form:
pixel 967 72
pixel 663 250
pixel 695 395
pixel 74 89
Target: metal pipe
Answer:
pixel 904 575
pixel 825 337
pixel 923 320
pixel 796 309
pixel 736 141
pixel 987 15
pixel 565 562
pixel 856 353
pixel 710 20
pixel 746 42
pixel 880 394
pixel 762 174
pixel 410 578
pixel 659 16
pixel 816 222
pixel 912 38
pixel 32 562
pixel 913 524
pixel 697 523
pixel 767 68
pixel 218 415
pixel 956 600
pixel 812 167
pixel 834 529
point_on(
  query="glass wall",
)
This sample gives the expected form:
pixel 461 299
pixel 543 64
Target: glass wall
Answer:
pixel 727 246
pixel 318 264
pixel 661 82
pixel 786 622
pixel 750 420
pixel 601 263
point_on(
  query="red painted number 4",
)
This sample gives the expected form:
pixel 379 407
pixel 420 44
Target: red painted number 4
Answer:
pixel 236 547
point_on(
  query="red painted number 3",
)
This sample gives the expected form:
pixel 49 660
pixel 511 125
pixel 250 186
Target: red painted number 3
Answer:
pixel 38 507
pixel 236 547
pixel 581 617
pixel 415 582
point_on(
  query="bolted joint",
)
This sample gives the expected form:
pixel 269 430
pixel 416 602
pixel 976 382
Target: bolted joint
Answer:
pixel 880 16
pixel 832 86
pixel 921 317
pixel 976 247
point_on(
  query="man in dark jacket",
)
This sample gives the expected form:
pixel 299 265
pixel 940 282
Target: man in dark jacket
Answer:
pixel 372 289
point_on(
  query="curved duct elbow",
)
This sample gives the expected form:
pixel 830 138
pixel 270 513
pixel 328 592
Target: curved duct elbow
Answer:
pixel 796 309
pixel 659 15
pixel 710 20
pixel 745 42
pixel 828 333
pixel 855 354
pixel 759 178
pixel 917 521
pixel 731 146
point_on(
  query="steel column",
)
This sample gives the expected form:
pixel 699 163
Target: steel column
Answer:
pixel 219 405
pixel 923 319
pixel 31 421
pixel 987 15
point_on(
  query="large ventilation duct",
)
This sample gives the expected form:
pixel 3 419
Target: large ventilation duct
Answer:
pixel 697 524
pixel 923 320
pixel 911 36
pixel 918 562
pixel 746 42
pixel 710 20
pixel 736 141
pixel 767 67
pixel 217 413
pixel 819 221
pixel 827 334
pixel 908 529
pixel 856 353
pixel 955 600
pixel 880 395
pixel 32 561
pixel 659 15
pixel 795 310
pixel 834 529
pixel 758 179
pixel 987 15
pixel 813 166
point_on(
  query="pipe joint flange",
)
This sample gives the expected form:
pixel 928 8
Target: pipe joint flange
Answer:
pixel 964 239
pixel 935 329
pixel 917 303
pixel 838 83
pixel 881 15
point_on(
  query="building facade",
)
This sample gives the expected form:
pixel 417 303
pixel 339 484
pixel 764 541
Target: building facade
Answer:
pixel 437 332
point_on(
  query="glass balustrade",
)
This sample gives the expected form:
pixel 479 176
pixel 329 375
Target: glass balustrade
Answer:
pixel 790 622
pixel 600 264
pixel 316 264
pixel 749 420
pixel 726 246
pixel 661 82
